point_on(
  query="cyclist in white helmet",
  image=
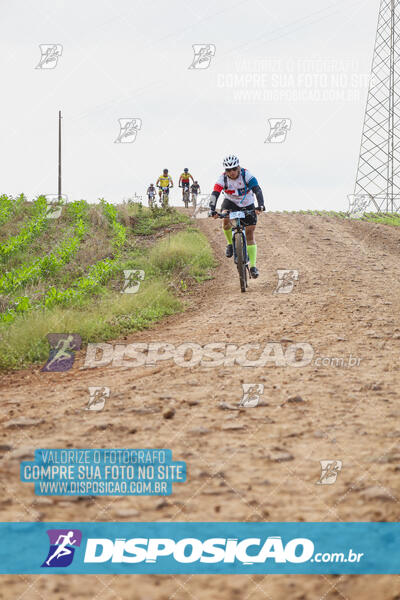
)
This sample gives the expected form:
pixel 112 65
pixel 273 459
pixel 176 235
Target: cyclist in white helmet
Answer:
pixel 239 187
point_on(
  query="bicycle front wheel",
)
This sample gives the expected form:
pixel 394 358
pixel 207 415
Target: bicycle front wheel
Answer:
pixel 241 261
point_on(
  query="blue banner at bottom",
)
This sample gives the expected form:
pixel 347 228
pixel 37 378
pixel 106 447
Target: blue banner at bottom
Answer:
pixel 199 548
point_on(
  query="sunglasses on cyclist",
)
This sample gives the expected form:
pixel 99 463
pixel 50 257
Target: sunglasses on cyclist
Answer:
pixel 230 170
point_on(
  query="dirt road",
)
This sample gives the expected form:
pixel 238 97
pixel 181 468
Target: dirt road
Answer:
pixel 256 464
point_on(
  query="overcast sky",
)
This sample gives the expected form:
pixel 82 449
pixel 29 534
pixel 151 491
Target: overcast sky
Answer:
pixel 306 61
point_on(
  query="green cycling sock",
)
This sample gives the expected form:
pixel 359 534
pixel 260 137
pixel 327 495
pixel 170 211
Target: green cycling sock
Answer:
pixel 228 235
pixel 252 252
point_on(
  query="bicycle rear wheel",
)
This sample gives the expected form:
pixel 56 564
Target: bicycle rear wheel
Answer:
pixel 241 261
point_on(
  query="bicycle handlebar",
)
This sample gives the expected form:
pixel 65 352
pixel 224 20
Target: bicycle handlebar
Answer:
pixel 226 214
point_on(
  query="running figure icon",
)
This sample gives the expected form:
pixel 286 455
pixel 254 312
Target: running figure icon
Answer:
pixel 63 544
pixel 62 351
pixel 62 549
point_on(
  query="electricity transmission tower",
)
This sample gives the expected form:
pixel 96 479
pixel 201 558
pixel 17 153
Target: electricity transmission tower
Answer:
pixel 378 173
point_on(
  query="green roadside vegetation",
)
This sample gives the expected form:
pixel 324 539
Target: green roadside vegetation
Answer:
pixel 73 282
pixel 381 218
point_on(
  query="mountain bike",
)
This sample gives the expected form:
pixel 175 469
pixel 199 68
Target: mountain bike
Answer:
pixel 185 195
pixel 239 244
pixel 194 199
pixel 164 196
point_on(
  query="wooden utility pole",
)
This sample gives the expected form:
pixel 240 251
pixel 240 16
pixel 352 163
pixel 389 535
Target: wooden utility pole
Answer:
pixel 59 155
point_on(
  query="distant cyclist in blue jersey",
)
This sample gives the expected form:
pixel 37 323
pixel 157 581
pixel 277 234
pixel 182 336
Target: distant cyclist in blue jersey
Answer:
pixel 239 187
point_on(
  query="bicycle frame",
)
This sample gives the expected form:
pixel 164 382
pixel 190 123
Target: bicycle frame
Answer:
pixel 164 195
pixel 185 193
pixel 237 230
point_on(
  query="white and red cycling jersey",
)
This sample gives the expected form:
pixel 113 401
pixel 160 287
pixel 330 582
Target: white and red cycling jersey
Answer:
pixel 238 190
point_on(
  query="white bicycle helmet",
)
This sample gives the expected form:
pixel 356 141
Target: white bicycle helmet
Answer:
pixel 231 161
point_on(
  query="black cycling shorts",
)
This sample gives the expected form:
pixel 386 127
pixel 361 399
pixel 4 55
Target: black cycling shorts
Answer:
pixel 251 218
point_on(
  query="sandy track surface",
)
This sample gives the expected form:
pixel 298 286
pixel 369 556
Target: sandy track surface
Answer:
pixel 255 464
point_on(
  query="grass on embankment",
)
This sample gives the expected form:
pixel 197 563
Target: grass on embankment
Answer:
pixel 145 222
pixel 392 219
pixel 169 265
pixel 381 218
pixel 24 342
pixel 188 252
